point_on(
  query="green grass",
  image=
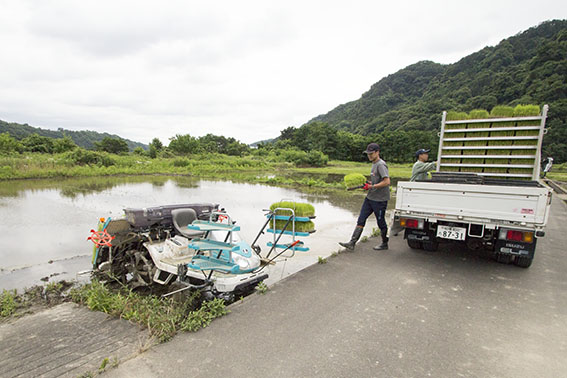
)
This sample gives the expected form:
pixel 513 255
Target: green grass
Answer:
pixel 262 288
pixel 35 165
pixel 14 304
pixel 8 303
pixel 164 317
pixel 253 169
pixel 340 167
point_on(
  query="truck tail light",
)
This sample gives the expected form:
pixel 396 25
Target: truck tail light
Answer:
pixel 411 223
pixel 516 235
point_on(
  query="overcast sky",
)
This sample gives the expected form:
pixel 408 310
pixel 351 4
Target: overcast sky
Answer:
pixel 242 69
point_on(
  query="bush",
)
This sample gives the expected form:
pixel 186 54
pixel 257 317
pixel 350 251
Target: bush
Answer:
pixel 85 157
pixel 139 151
pixel 302 158
pixel 317 159
pixel 9 145
pixel 181 162
pixel 63 145
pixel 38 143
pixel 112 145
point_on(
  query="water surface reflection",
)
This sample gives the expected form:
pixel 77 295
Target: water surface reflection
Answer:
pixel 45 223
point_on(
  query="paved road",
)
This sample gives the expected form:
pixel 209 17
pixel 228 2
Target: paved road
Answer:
pixel 66 341
pixel 397 313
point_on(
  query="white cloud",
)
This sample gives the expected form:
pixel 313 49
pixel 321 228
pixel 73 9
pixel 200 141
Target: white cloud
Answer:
pixel 244 69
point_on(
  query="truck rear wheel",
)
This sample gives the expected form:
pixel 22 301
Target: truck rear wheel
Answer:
pixel 414 244
pixel 523 261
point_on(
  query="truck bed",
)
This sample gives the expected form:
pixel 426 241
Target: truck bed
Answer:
pixel 526 205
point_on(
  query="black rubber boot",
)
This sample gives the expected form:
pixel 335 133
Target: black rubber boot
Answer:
pixel 384 244
pixel 355 236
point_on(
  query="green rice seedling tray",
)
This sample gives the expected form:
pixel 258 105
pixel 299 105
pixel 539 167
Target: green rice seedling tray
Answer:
pixel 501 112
pixel 503 143
pixel 299 226
pixel 354 179
pixel 526 111
pixel 287 232
pixel 299 208
pixel 286 217
pixel 454 116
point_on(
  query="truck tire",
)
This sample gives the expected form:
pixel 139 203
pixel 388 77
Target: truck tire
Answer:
pixel 414 244
pixel 431 245
pixel 523 261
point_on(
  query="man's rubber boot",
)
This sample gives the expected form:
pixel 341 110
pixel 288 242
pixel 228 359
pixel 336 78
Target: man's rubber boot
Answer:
pixel 355 236
pixel 384 244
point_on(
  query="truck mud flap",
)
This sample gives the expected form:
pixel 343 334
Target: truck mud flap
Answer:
pixel 418 235
pixel 515 248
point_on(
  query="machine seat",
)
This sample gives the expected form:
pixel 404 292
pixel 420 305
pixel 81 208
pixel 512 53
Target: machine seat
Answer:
pixel 183 218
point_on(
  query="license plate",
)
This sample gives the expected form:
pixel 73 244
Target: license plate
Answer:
pixel 453 233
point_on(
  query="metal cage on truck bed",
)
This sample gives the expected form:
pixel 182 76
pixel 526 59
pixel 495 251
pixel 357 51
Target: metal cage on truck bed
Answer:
pixel 495 147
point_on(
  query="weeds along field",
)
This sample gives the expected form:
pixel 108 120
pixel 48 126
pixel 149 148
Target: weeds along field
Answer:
pixel 260 169
pixel 89 163
pixel 558 172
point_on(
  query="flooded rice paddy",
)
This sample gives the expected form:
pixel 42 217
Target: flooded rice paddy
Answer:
pixel 45 223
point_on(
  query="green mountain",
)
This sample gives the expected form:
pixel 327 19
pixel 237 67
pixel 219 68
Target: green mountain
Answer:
pixel 82 138
pixel 528 68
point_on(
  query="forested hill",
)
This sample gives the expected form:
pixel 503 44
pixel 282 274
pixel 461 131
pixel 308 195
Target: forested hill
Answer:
pixel 82 138
pixel 528 68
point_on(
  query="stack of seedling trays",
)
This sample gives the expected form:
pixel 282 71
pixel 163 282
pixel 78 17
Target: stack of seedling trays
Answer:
pixel 502 143
pixel 293 219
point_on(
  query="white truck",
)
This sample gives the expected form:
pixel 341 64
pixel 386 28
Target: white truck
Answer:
pixel 485 192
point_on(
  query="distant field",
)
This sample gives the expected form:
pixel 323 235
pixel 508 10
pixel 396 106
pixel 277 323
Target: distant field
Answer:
pixel 246 169
pixel 346 167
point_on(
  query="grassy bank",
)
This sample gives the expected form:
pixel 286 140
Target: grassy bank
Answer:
pixel 246 169
pixel 558 172
pixel 61 165
pixel 253 169
pixel 163 317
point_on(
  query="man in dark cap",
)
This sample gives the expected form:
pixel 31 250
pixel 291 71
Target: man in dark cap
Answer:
pixel 421 166
pixel 376 200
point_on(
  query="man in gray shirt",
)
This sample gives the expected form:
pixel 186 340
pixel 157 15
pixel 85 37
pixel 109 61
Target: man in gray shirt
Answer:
pixel 421 166
pixel 376 200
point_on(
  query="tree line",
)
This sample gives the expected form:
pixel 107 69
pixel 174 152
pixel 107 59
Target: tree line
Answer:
pixel 397 146
pixel 82 138
pixel 311 144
